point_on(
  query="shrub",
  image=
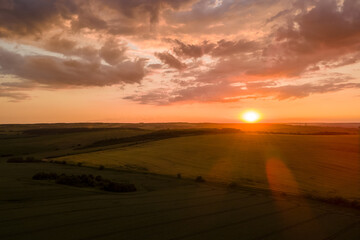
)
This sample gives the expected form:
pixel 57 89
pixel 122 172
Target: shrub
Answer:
pixel 86 181
pixel 23 160
pixel 66 180
pixel 179 175
pixel 199 179
pixel 98 178
pixel 77 181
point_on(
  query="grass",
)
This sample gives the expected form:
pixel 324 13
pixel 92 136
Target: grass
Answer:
pixel 41 144
pixel 59 162
pixel 283 163
pixel 57 131
pixel 313 159
pixel 86 181
pixel 44 140
pixel 162 134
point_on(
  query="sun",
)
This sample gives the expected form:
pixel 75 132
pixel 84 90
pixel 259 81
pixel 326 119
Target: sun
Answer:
pixel 251 116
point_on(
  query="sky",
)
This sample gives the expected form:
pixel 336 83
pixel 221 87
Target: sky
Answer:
pixel 179 60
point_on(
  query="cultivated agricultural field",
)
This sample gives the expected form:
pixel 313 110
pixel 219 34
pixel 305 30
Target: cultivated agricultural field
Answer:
pixel 44 141
pixel 321 160
pixel 326 166
pixel 179 181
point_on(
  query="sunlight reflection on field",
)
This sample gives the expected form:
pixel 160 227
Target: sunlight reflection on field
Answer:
pixel 320 165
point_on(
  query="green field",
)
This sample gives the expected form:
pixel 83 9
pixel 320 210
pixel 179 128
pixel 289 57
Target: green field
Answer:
pixel 300 164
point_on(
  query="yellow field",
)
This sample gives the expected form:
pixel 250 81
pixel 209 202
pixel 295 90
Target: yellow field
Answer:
pixel 318 165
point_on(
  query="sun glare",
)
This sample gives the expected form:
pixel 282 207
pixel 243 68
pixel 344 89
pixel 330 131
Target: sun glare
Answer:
pixel 251 116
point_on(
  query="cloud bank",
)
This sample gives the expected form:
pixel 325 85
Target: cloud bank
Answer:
pixel 220 50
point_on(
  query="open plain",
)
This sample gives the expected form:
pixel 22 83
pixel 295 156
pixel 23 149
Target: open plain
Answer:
pixel 255 183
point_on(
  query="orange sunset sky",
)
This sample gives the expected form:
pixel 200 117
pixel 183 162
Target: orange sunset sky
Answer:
pixel 179 60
